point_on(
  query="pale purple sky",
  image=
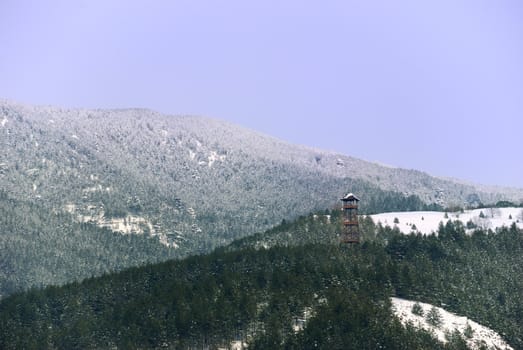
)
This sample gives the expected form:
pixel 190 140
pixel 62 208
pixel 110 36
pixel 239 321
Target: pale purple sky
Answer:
pixel 430 85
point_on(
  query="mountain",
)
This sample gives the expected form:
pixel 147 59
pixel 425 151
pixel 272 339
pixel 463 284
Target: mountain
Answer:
pixel 179 185
pixel 193 182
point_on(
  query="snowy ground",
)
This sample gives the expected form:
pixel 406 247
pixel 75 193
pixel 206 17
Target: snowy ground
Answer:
pixel 478 334
pixel 428 221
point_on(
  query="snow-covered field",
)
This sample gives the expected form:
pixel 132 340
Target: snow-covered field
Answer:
pixel 478 335
pixel 428 221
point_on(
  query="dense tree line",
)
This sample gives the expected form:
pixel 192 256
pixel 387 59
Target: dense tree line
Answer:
pixel 211 300
pixel 39 248
pixel 43 246
pixel 257 295
pixel 476 275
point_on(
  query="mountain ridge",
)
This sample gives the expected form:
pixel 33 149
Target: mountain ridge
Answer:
pixel 191 183
pixel 260 142
pixel 186 158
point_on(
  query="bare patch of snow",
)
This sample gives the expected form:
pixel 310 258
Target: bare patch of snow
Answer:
pixel 4 121
pixel 70 208
pixel 93 189
pixel 478 335
pixel 427 222
pixel 236 345
pixel 326 216
pixel 130 224
pixel 163 240
pixel 191 212
pixel 212 158
pixel 32 171
pixel 300 321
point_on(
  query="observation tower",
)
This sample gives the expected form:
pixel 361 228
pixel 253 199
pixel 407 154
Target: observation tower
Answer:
pixel 351 231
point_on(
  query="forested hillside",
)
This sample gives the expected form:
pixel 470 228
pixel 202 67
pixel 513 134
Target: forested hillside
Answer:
pixel 69 177
pixel 86 193
pixel 39 248
pixel 299 296
pixel 193 183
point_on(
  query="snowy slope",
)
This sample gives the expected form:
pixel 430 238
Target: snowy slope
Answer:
pixel 478 334
pixel 428 221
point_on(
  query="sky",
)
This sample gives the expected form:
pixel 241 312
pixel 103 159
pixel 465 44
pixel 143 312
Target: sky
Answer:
pixel 430 85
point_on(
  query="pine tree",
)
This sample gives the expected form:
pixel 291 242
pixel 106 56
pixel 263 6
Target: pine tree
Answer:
pixel 417 309
pixel 434 317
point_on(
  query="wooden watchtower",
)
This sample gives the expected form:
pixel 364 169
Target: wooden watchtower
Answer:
pixel 351 231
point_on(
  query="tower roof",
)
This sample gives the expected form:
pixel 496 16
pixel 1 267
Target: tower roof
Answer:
pixel 350 197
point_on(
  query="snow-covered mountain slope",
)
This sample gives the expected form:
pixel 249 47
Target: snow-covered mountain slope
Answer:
pixel 212 143
pixel 172 171
pixel 446 324
pixel 427 222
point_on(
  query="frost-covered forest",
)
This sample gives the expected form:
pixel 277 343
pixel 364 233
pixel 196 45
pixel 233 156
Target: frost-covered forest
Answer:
pixel 194 183
pixel 74 180
pixel 43 247
pixel 125 198
pixel 39 248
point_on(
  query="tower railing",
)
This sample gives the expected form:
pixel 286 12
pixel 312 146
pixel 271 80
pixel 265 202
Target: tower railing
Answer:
pixel 350 222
